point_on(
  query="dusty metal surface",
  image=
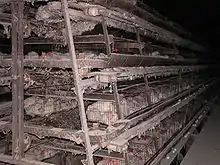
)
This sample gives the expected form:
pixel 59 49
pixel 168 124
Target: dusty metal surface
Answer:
pixel 37 106
pixel 116 60
pixel 118 19
pixel 42 131
pixel 49 14
pixel 79 92
pixel 126 81
pixel 102 137
pixel 18 81
pixel 70 147
pixel 150 147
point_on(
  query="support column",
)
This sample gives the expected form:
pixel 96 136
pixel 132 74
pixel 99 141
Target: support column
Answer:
pixel 17 80
pixel 79 92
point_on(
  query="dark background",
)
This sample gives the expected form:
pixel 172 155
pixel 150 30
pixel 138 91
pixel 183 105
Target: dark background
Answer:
pixel 201 18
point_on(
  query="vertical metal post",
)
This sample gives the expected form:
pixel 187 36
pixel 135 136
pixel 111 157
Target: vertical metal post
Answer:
pixel 79 92
pixel 117 100
pixel 18 80
pixel 14 79
pixel 106 37
pixel 139 41
pixel 148 97
pixel 21 78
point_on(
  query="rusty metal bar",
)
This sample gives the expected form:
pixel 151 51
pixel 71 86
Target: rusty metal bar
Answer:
pixel 116 60
pixel 17 84
pixel 14 78
pixel 21 79
pixel 106 37
pixel 77 82
pixel 66 63
pixel 85 39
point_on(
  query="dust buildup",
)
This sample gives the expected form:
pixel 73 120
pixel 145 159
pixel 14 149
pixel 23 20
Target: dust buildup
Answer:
pixel 82 26
pixel 46 79
pixel 52 26
pixel 56 31
pixel 50 13
pixel 69 119
pixel 41 106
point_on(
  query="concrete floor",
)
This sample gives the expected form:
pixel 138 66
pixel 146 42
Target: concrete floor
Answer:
pixel 206 148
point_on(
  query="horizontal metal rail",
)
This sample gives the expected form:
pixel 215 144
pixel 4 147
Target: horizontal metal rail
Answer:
pixel 80 150
pixel 88 97
pixel 116 60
